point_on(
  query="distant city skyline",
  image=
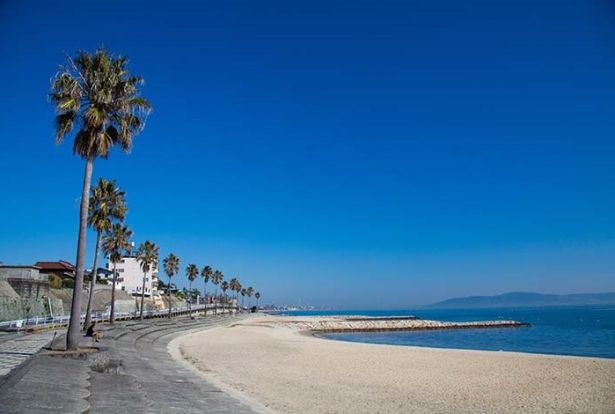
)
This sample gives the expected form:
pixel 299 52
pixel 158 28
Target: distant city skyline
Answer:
pixel 338 154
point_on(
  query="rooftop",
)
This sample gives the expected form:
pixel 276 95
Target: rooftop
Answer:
pixel 61 265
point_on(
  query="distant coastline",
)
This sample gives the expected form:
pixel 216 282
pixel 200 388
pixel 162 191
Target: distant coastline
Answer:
pixel 525 299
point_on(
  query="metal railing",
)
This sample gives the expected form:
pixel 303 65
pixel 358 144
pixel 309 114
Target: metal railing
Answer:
pixel 52 322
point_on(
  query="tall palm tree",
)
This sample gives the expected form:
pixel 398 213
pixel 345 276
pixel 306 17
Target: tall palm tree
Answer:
pixel 192 272
pixel 257 295
pixel 224 287
pixel 216 279
pixel 147 256
pixel 250 292
pixel 206 273
pixel 115 242
pixel 171 268
pixel 96 95
pixel 243 294
pixel 107 204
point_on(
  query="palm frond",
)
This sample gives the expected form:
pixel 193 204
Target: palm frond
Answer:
pixel 171 265
pixel 147 256
pixel 64 124
pixel 97 93
pixel 116 241
pixel 107 204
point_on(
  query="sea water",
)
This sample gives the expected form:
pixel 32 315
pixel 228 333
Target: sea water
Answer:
pixel 576 330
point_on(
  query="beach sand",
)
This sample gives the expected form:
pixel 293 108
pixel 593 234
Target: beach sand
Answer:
pixel 291 372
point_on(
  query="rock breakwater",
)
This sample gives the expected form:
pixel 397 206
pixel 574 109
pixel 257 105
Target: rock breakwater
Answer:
pixel 349 324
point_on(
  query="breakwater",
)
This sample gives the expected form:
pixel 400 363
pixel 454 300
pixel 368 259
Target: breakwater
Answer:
pixel 383 324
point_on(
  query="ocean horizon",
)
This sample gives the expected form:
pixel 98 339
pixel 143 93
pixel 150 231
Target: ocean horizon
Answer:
pixel 568 330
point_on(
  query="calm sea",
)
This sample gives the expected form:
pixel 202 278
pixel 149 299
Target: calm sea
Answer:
pixel 582 331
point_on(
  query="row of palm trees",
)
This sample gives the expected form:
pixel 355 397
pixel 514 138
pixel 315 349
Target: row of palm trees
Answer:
pixel 171 268
pixel 99 101
pixel 217 278
pixel 107 210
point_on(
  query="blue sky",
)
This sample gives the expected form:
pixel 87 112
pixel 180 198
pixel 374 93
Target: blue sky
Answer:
pixel 357 154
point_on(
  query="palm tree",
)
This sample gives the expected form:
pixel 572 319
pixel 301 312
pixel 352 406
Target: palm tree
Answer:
pixel 206 273
pixel 107 203
pixel 115 242
pixel 250 292
pixel 224 287
pixel 257 295
pixel 147 256
pixel 97 95
pixel 243 294
pixel 171 268
pixel 237 290
pixel 216 279
pixel 233 285
pixel 192 272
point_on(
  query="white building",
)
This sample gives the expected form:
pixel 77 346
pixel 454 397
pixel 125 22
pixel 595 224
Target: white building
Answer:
pixel 130 275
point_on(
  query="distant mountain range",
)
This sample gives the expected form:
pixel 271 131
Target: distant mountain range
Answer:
pixel 526 299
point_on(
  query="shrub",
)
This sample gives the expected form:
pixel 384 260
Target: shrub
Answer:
pixel 55 282
pixel 68 283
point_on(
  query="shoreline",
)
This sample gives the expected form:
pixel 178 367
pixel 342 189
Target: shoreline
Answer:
pixel 288 370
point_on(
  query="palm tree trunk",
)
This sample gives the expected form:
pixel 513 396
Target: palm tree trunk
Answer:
pixel 142 297
pixel 216 301
pixel 88 312
pixel 205 296
pixel 169 296
pixel 190 299
pixel 74 331
pixel 112 315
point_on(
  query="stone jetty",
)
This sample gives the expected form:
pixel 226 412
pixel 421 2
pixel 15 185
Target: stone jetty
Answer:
pixel 381 324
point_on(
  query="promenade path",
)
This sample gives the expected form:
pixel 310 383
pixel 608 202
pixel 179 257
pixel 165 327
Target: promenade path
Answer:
pixel 15 349
pixel 131 373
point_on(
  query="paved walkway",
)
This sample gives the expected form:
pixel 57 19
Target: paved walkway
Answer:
pixel 17 348
pixel 132 373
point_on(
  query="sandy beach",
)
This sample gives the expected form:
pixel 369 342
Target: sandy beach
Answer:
pixel 271 362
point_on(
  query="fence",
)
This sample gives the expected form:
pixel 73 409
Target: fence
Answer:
pixel 50 322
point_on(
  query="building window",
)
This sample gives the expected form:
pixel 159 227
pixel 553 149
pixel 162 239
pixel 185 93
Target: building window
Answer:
pixel 120 270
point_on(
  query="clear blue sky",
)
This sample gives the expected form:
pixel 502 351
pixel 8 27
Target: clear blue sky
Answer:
pixel 357 154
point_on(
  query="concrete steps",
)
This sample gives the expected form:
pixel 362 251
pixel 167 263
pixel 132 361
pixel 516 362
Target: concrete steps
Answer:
pixel 134 374
pixel 160 383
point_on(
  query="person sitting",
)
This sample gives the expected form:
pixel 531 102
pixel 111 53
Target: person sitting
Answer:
pixel 92 332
